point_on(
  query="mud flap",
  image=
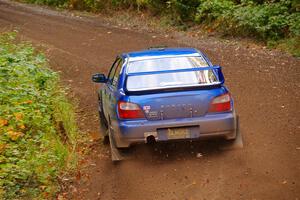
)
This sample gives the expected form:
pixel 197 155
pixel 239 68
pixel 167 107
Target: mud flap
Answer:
pixel 237 143
pixel 116 154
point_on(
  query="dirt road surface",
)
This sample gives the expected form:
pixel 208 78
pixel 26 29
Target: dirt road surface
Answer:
pixel 265 86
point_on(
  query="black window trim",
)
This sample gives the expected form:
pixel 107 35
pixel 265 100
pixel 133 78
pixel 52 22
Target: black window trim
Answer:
pixel 110 71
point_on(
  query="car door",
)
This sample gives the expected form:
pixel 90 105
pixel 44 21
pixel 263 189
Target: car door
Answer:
pixel 106 88
pixel 111 89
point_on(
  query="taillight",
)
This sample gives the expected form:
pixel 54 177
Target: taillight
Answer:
pixel 221 103
pixel 128 110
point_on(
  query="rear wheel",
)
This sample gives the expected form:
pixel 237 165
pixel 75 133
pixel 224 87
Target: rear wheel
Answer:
pixel 116 153
pixel 103 122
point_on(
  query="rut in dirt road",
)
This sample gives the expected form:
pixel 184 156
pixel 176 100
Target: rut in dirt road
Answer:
pixel 265 86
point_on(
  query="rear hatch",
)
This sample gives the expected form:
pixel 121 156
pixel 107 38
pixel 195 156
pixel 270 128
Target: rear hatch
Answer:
pixel 173 87
pixel 176 105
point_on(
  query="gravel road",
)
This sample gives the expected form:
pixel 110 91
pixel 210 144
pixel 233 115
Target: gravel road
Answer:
pixel 265 85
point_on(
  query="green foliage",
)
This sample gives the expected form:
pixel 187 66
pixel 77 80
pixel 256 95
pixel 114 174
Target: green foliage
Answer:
pixel 209 11
pixel 57 3
pixel 268 20
pixel 182 10
pixel 294 24
pixel 37 126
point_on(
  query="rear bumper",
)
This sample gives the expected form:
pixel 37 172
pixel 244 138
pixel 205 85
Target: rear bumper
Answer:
pixel 211 125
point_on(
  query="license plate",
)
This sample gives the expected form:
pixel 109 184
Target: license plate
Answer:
pixel 178 133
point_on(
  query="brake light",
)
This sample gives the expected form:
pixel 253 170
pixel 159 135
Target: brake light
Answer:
pixel 128 110
pixel 221 103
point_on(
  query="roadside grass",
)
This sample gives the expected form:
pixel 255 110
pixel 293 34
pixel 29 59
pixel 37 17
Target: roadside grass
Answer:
pixel 38 131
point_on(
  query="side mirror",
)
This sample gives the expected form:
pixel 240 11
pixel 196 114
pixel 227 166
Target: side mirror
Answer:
pixel 99 78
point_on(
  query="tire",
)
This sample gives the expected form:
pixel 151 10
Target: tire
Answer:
pixel 103 122
pixel 116 155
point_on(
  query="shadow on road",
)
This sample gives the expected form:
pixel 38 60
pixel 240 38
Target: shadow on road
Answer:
pixel 174 151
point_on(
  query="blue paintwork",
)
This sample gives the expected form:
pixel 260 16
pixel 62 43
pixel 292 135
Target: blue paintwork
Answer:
pixel 180 108
pixel 162 53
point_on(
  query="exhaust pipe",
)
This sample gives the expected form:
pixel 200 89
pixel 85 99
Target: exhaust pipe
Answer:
pixel 150 139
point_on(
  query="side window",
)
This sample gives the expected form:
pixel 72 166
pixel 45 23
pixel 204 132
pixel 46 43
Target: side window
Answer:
pixel 117 73
pixel 113 70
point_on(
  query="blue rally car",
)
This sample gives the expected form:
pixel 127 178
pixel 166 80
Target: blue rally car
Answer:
pixel 164 94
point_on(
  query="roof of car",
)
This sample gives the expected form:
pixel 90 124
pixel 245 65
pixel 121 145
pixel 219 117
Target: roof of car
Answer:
pixel 161 52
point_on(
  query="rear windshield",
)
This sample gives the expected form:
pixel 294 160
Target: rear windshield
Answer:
pixel 162 64
pixel 170 79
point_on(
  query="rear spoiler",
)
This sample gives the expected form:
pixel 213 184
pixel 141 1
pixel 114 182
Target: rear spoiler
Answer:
pixel 216 69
